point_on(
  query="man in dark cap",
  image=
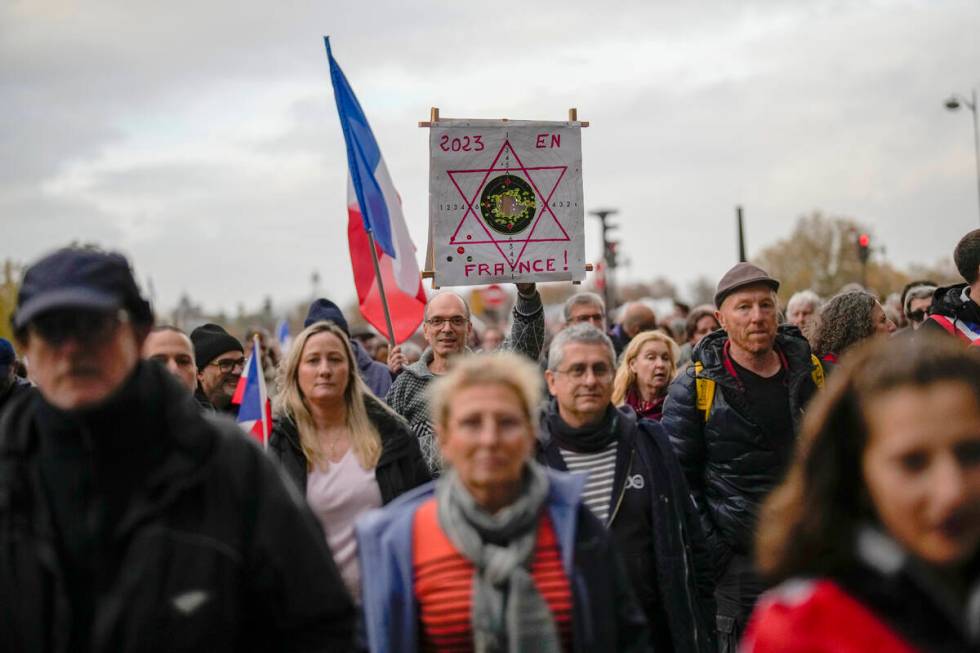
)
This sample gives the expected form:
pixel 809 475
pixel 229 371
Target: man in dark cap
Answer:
pixel 220 359
pixel 376 375
pixel 129 520
pixel 732 417
pixel 11 385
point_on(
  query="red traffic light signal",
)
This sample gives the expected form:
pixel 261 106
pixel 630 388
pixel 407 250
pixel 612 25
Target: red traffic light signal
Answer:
pixel 864 247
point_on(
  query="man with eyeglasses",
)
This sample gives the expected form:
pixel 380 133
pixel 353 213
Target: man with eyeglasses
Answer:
pixel 446 328
pixel 220 360
pixel 634 485
pixel 171 347
pixel 128 519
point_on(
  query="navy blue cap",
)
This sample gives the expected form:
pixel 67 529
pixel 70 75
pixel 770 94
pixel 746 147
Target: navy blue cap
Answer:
pixel 324 309
pixel 7 356
pixel 80 279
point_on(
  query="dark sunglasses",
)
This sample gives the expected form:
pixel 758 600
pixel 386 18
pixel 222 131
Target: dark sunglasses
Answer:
pixel 918 316
pixel 86 327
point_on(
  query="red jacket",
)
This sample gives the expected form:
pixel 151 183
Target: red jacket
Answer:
pixel 817 617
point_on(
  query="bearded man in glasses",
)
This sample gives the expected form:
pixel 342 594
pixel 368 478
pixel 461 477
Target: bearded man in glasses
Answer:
pixel 129 520
pixel 446 328
pixel 220 361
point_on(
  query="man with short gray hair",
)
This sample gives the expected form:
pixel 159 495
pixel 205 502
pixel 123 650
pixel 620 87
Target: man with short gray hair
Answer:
pixel 634 485
pixel 801 308
pixel 585 307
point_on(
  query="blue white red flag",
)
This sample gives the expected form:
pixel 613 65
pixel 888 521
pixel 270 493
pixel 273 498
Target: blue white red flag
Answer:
pixel 254 407
pixel 283 336
pixel 373 206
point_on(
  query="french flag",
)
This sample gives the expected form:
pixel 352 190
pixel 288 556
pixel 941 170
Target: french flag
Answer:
pixel 373 206
pixel 255 409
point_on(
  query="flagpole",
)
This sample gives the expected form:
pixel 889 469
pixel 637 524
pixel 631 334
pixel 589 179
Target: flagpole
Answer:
pixel 257 351
pixel 381 287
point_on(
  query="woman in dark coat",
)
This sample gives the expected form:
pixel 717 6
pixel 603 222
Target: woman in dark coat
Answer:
pixel 344 449
pixel 875 533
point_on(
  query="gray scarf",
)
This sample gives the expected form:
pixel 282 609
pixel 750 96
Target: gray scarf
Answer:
pixel 508 613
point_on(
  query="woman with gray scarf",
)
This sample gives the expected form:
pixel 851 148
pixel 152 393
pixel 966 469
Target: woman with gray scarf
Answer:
pixel 499 554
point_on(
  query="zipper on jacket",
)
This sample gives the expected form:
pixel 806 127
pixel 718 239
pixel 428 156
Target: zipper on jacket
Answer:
pixel 622 490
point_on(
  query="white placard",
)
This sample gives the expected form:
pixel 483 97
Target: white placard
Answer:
pixel 505 201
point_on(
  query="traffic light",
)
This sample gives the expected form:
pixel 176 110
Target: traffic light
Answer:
pixel 610 253
pixel 864 247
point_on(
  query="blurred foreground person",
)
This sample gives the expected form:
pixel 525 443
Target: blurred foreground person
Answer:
pixel 956 309
pixel 647 367
pixel 634 486
pixel 171 347
pixel 498 554
pixel 876 529
pixel 844 321
pixel 732 418
pixel 344 449
pixel 128 520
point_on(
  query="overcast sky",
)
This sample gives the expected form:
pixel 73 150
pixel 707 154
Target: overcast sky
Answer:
pixel 202 139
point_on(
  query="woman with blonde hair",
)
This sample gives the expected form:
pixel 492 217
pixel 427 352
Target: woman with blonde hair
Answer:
pixel 646 368
pixel 345 450
pixel 499 554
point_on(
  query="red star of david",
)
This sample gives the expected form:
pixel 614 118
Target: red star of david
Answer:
pixel 545 204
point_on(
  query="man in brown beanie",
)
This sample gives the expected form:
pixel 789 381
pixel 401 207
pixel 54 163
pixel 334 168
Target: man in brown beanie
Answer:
pixel 732 417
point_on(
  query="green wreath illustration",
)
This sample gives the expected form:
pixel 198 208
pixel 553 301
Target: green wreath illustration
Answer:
pixel 508 204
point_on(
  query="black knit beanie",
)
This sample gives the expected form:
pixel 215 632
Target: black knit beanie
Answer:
pixel 210 341
pixel 324 309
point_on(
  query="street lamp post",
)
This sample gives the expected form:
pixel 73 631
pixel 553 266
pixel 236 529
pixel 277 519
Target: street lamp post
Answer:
pixel 608 254
pixel 953 103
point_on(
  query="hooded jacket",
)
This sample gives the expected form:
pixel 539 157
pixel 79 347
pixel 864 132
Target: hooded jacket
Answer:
pixel 655 526
pixel 400 467
pixel 376 375
pixel 210 549
pixel 730 462
pixel 605 614
pixel 955 303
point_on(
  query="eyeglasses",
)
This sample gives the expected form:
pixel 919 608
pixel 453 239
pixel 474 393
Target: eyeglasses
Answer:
pixel 228 364
pixel 592 317
pixel 456 321
pixel 917 316
pixel 84 326
pixel 600 371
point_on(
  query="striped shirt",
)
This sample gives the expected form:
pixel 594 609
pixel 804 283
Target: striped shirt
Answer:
pixel 444 584
pixel 601 469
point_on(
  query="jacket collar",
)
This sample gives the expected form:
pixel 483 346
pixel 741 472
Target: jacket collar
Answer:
pixel 790 345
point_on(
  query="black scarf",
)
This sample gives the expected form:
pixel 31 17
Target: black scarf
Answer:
pixel 585 439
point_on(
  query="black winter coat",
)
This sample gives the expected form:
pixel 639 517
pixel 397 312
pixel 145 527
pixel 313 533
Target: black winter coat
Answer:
pixel 730 463
pixel 399 469
pixel 212 551
pixel 949 302
pixel 652 507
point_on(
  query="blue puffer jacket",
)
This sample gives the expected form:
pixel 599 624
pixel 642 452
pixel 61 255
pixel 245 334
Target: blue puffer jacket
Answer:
pixel 606 616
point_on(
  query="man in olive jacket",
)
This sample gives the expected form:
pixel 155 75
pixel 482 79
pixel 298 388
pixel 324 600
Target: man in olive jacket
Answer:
pixel 732 416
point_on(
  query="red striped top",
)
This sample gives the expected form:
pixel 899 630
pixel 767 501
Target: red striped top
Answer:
pixel 444 584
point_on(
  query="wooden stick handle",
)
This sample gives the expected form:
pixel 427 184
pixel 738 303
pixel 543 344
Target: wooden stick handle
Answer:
pixel 433 118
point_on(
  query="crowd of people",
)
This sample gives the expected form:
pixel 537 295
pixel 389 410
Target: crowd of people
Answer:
pixel 740 478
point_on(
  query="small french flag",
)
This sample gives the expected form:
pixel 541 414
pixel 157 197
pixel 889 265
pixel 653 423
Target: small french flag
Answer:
pixel 254 407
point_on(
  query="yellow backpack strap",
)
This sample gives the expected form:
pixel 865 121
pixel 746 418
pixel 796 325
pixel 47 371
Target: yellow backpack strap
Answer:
pixel 705 389
pixel 816 372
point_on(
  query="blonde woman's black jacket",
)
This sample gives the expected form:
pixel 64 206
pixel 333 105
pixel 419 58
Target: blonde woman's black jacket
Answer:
pixel 399 469
pixel 208 549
